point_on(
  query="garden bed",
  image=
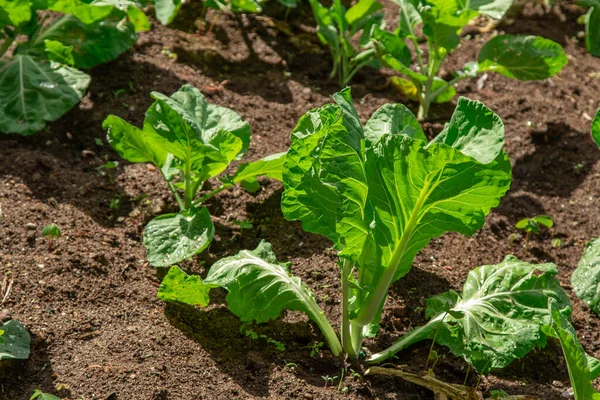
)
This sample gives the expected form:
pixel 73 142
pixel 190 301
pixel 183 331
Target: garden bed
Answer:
pixel 98 330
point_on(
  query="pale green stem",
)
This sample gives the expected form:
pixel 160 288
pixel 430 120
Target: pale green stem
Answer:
pixel 346 339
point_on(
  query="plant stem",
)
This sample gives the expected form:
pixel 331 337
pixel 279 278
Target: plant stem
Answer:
pixel 214 22
pixel 332 340
pixel 176 195
pixel 345 329
pixel 212 193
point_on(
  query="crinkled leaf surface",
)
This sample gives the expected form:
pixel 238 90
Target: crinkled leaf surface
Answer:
pixel 586 278
pixel 474 130
pixel 498 317
pixel 596 129
pixel 522 57
pixel 576 358
pixel 14 343
pixel 94 43
pixel 14 12
pixel 172 238
pixel 270 166
pixel 379 193
pixel 34 90
pixel 259 288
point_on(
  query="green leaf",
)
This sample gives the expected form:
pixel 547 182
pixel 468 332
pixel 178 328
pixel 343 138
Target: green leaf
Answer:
pixel 394 48
pixel 544 220
pixel 56 51
pixel 93 43
pixel 177 286
pixel 522 224
pixel 577 360
pixel 252 6
pixel 443 21
pixel 259 289
pixel 592 39
pixel 393 119
pixel 39 395
pixel 474 130
pixel 86 13
pixel 362 10
pixel 35 91
pixel 14 12
pixel 409 17
pixel 51 230
pixel 270 167
pixel 166 10
pixel 172 238
pixel 412 92
pixel 522 57
pixel 15 343
pixel 492 8
pixel 586 278
pixel 498 317
pixel 596 129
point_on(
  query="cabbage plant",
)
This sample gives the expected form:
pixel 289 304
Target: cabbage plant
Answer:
pixel 380 192
pixel 514 56
pixel 40 64
pixel 190 141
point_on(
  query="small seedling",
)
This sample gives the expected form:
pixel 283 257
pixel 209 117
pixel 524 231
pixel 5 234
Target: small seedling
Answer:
pixel 105 168
pixel 52 232
pixel 115 203
pixel 39 395
pixel 532 225
pixel 243 224
pixel 315 348
pixel 328 380
pixel 255 336
pixel 557 242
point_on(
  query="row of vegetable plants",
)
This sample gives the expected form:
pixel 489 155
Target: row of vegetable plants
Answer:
pixel 380 192
pixel 41 65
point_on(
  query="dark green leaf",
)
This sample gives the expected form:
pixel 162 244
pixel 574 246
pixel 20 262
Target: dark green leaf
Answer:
pixel 522 57
pixel 172 238
pixel 596 129
pixel 15 341
pixel 35 91
pixel 586 278
pixel 51 230
pixel 593 31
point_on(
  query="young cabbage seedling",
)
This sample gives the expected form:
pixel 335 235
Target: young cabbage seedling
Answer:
pixel 52 232
pixel 39 395
pixel 532 225
pixel 338 26
pixel 380 193
pixel 41 79
pixel 519 57
pixel 190 141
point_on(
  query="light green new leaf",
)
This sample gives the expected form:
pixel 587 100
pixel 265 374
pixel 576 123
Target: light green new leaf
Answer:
pixel 522 57
pixel 94 43
pixel 362 10
pixel 56 51
pixel 474 130
pixel 33 91
pixel 15 341
pixel 586 278
pixel 270 167
pixel 39 395
pixel 14 12
pixel 166 10
pixel 259 288
pixel 172 238
pixel 577 359
pixel 596 129
pixel 443 21
pixel 177 286
pixel 498 317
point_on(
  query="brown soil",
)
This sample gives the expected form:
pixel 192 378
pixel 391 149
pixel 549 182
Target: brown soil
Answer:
pixel 90 301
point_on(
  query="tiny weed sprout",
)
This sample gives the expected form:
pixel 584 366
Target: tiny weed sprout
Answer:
pixel 532 225
pixel 190 141
pixel 39 395
pixel 42 79
pixel 519 57
pixel 51 232
pixel 380 193
pixel 336 28
pixel 105 169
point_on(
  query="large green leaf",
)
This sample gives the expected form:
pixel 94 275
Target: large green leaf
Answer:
pixel 131 9
pixel 498 317
pixel 172 238
pixel 474 130
pixel 166 10
pixel 596 129
pixel 86 12
pixel 14 341
pixel 576 358
pixel 94 43
pixel 259 288
pixel 270 166
pixel 586 278
pixel 34 90
pixel 522 57
pixel 14 12
pixel 592 39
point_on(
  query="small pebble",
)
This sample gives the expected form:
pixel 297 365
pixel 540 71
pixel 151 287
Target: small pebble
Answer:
pixel 31 226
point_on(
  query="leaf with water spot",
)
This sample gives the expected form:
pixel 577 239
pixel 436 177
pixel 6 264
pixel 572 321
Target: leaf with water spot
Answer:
pixel 15 341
